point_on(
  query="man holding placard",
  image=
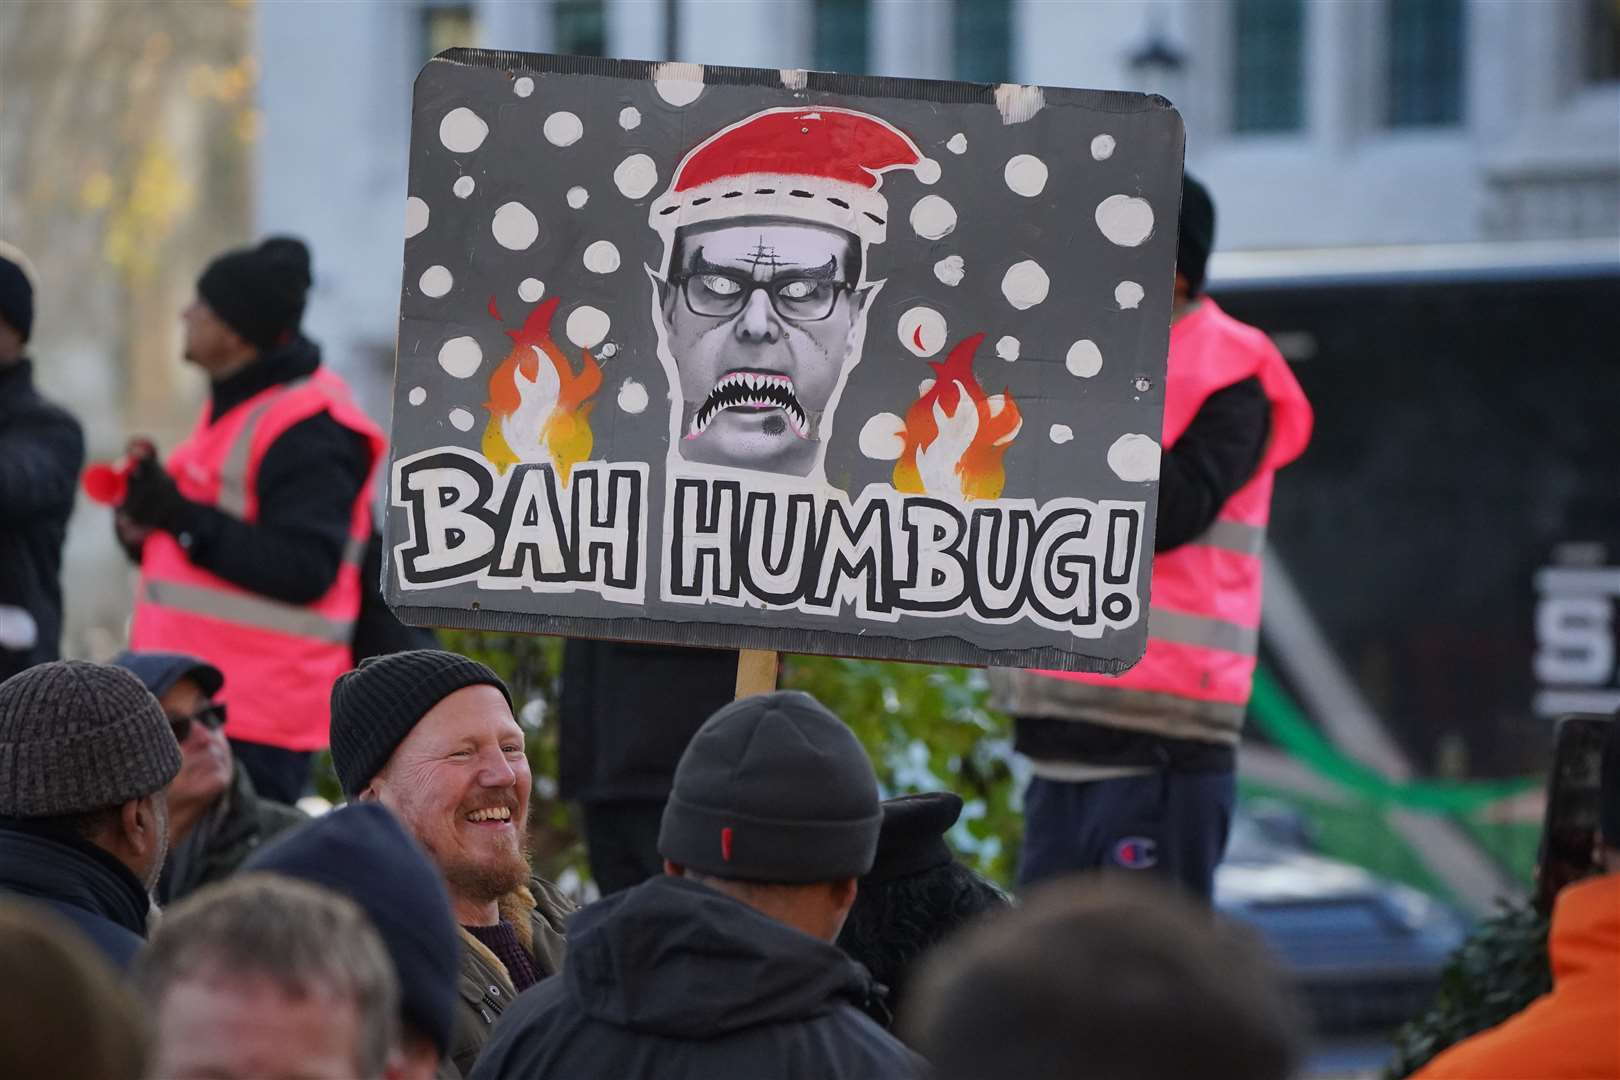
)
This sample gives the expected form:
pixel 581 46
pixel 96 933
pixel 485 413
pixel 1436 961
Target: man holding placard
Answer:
pixel 1137 772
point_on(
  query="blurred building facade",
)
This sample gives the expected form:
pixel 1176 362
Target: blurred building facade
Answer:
pixel 1318 123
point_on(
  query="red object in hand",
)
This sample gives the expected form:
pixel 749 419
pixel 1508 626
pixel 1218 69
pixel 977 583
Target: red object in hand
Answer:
pixel 108 482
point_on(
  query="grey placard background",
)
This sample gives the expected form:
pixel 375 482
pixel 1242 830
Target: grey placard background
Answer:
pixel 995 228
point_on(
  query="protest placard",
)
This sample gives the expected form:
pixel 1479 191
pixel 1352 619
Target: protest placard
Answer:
pixel 782 360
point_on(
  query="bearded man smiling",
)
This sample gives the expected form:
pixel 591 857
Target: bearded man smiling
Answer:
pixel 431 735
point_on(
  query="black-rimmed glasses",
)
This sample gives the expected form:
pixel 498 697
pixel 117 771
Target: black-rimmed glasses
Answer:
pixel 722 296
pixel 210 716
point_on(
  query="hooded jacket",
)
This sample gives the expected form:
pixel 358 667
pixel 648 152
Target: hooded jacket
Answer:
pixel 674 980
pixel 1572 1032
pixel 77 880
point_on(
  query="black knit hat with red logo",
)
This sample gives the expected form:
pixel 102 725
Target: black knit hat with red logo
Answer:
pixel 773 788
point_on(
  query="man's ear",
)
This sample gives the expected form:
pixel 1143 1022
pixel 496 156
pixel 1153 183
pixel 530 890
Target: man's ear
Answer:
pixel 369 793
pixel 673 869
pixel 138 822
pixel 843 893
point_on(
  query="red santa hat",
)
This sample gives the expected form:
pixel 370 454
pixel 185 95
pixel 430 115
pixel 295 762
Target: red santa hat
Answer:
pixel 819 165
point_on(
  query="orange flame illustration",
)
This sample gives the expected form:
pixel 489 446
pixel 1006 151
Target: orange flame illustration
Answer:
pixel 955 435
pixel 539 408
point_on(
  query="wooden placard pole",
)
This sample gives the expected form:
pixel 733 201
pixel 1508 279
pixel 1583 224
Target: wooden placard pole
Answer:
pixel 756 671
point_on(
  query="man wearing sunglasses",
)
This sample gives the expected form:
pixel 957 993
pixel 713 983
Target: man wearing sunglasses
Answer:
pixel 216 819
pixel 762 295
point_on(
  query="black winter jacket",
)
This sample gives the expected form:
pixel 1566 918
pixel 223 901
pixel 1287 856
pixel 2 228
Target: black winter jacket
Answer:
pixel 79 881
pixel 41 453
pixel 628 710
pixel 675 981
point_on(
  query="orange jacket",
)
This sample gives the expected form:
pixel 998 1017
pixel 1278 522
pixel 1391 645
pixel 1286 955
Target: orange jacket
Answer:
pixel 1572 1032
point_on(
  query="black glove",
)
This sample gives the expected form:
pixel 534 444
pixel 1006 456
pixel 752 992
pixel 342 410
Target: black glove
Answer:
pixel 153 499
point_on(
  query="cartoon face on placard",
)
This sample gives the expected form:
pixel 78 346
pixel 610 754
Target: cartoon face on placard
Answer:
pixel 820 369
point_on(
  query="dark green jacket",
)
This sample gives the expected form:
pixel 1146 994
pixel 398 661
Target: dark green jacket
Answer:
pixel 537 913
pixel 232 830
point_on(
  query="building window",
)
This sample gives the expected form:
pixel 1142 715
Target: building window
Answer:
pixel 580 27
pixel 447 26
pixel 1268 88
pixel 1603 40
pixel 1425 62
pixel 841 36
pixel 982 40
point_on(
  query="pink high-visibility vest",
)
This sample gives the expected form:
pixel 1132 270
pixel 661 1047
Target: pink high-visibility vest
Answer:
pixel 279 659
pixel 1204 618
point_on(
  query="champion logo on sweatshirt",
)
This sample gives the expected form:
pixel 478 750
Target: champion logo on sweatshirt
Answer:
pixel 1136 853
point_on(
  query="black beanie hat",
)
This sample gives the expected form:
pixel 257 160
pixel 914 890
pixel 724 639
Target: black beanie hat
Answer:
pixel 912 838
pixel 773 788
pixel 16 291
pixel 1609 786
pixel 259 292
pixel 378 703
pixel 363 852
pixel 1197 237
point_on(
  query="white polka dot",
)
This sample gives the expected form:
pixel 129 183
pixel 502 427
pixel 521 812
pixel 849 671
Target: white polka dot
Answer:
pixel 531 289
pixel 794 78
pixel 1134 458
pixel 562 129
pixel 1125 219
pixel 602 257
pixel 462 131
pixel 677 83
pixel 933 217
pixel 950 270
pixel 607 350
pixel 515 227
pixel 957 144
pixel 881 438
pixel 1025 284
pixel 1127 294
pixel 629 118
pixel 417 395
pixel 463 186
pixel 922 330
pixel 1084 359
pixel 632 397
pixel 1060 433
pixel 578 197
pixel 416 216
pixel 460 357
pixel 928 171
pixel 461 419
pixel 435 281
pixel 1025 174
pixel 523 87
pixel 1007 348
pixel 1102 148
pixel 635 176
pixel 587 326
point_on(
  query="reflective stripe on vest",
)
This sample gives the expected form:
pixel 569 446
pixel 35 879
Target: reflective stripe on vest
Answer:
pixel 1203 631
pixel 249 610
pixel 1234 536
pixel 233 474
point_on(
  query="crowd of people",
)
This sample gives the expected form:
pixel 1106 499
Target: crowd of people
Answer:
pixel 167 911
